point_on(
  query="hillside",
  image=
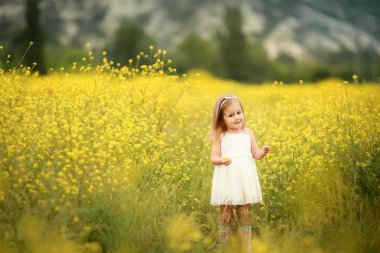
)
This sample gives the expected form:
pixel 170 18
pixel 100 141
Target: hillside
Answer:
pixel 297 28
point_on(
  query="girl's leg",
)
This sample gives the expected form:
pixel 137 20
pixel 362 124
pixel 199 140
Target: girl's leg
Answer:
pixel 245 226
pixel 225 223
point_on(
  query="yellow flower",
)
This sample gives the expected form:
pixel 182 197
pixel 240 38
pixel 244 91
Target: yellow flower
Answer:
pixel 76 219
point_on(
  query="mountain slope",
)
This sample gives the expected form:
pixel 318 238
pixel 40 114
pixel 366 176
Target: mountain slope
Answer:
pixel 298 28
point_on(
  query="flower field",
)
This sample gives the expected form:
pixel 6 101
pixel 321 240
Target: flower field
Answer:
pixel 116 159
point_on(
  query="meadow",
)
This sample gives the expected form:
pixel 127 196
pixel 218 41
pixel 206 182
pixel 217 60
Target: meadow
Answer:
pixel 110 158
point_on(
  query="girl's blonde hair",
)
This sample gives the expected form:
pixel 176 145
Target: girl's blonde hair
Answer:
pixel 218 125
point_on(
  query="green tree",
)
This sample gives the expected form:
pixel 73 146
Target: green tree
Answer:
pixel 194 53
pixel 130 39
pixel 262 69
pixel 234 47
pixel 34 33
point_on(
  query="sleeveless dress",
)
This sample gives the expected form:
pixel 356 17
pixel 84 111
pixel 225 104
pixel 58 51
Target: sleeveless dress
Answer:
pixel 238 183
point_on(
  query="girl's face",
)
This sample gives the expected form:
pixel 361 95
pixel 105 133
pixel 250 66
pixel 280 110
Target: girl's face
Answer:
pixel 233 117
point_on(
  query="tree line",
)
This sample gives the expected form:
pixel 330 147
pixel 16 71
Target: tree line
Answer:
pixel 229 55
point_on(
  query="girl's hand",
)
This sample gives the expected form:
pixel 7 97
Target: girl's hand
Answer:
pixel 266 149
pixel 226 161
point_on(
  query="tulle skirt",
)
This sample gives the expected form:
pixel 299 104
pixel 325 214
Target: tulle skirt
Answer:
pixel 236 184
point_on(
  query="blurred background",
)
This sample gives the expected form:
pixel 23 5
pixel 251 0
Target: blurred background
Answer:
pixel 245 40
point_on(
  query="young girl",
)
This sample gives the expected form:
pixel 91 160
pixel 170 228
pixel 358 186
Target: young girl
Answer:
pixel 235 182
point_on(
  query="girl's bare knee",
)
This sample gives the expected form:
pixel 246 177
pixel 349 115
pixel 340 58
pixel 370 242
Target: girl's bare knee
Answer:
pixel 226 215
pixel 244 215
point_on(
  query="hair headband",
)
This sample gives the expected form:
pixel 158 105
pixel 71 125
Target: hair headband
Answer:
pixel 225 100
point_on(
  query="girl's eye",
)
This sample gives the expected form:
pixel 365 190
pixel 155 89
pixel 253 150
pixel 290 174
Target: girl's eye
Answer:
pixel 238 112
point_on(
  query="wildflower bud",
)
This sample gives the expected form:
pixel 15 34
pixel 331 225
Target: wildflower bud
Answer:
pixel 31 43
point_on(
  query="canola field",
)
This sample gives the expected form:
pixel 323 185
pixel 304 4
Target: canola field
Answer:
pixel 116 159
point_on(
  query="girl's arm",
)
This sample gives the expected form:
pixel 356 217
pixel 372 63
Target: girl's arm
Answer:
pixel 216 152
pixel 257 153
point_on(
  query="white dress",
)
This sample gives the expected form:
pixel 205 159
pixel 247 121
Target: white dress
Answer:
pixel 237 183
